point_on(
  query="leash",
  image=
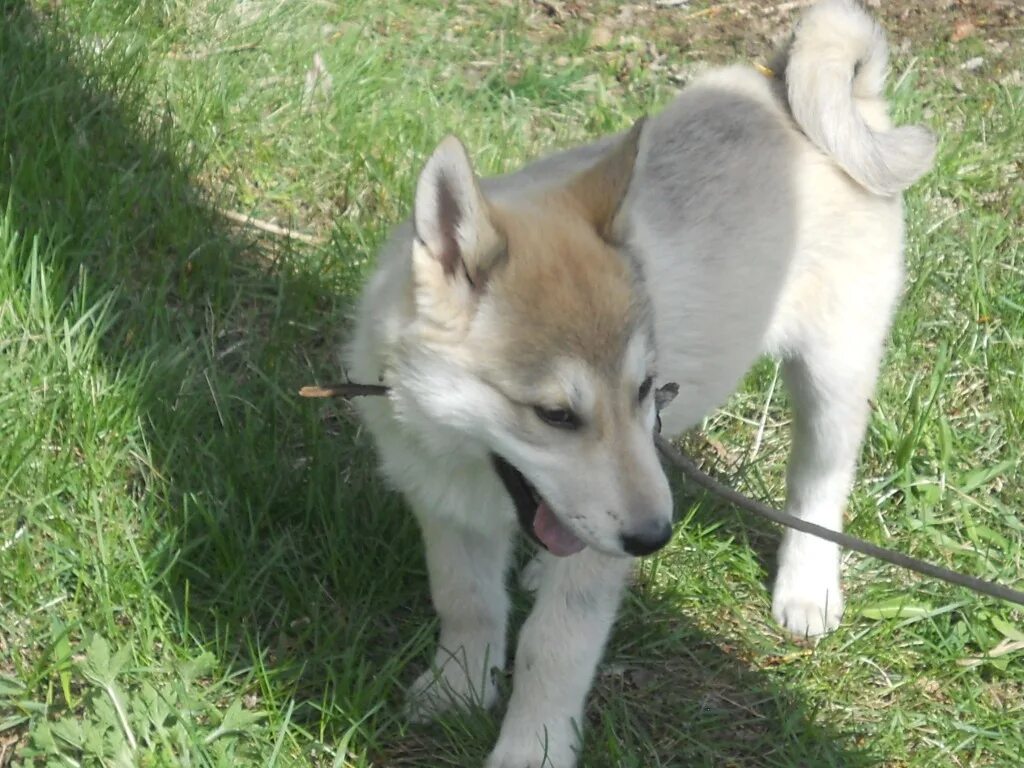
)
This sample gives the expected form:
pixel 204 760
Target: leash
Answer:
pixel 973 583
pixel 663 396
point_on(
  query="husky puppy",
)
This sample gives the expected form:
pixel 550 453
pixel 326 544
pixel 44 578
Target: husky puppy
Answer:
pixel 523 322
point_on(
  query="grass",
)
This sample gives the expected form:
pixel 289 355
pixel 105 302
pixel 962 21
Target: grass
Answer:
pixel 198 569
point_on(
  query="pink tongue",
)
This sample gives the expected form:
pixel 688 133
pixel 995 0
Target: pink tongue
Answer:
pixel 556 537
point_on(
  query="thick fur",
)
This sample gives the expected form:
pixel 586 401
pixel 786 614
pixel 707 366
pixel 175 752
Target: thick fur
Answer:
pixel 751 216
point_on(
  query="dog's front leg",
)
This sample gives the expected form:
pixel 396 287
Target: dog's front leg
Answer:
pixel 559 647
pixel 467 586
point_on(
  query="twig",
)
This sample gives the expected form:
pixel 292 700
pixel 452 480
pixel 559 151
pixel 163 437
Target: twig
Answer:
pixel 790 6
pixel 273 229
pixel 346 390
pixel 711 10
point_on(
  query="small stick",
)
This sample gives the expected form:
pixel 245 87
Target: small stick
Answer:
pixel 347 390
pixel 792 5
pixel 266 226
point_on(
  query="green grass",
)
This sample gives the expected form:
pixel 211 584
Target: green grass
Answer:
pixel 196 568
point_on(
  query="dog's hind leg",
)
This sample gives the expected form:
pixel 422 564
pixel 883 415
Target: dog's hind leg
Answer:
pixel 467 586
pixel 559 647
pixel 829 384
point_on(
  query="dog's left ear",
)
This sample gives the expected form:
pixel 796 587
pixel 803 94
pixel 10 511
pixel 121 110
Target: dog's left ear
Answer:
pixel 600 190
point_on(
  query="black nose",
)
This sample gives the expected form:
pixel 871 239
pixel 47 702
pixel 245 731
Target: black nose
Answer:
pixel 647 538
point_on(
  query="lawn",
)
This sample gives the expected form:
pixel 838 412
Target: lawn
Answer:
pixel 199 569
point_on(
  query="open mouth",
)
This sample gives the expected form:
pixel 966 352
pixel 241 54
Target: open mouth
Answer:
pixel 535 515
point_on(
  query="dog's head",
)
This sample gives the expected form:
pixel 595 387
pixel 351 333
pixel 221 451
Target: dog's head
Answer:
pixel 532 340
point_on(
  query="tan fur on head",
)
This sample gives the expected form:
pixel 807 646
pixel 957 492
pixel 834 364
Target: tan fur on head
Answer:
pixel 562 283
pixel 545 261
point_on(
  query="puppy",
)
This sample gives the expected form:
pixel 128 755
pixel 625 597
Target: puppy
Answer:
pixel 522 323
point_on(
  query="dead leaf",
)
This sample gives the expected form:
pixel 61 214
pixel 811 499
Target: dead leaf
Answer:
pixel 600 36
pixel 962 30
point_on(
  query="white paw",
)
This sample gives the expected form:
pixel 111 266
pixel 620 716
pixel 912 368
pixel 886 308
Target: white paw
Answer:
pixel 527 746
pixel 805 604
pixel 447 686
pixel 532 574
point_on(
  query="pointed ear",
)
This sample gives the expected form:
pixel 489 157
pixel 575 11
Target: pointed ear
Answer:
pixel 451 215
pixel 600 190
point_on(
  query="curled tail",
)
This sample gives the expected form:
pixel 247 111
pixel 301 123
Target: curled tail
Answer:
pixel 837 57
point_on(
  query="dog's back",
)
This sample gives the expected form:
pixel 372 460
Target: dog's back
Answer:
pixel 756 198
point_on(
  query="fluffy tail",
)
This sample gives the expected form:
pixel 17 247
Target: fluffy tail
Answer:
pixel 838 55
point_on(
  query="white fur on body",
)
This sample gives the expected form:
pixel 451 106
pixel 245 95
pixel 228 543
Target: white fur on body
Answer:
pixel 752 237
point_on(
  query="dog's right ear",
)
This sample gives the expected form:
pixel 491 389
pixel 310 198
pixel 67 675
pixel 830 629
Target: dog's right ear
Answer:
pixel 456 243
pixel 451 214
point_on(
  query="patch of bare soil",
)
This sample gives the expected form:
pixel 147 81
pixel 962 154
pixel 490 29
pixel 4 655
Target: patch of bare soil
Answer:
pixel 692 31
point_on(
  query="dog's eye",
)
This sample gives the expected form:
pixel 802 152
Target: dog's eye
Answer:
pixel 562 418
pixel 645 388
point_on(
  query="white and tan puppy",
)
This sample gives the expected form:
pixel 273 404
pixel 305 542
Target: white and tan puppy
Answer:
pixel 520 322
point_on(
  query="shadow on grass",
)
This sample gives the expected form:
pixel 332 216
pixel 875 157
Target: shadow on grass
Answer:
pixel 685 697
pixel 268 534
pixel 263 523
pixel 669 693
